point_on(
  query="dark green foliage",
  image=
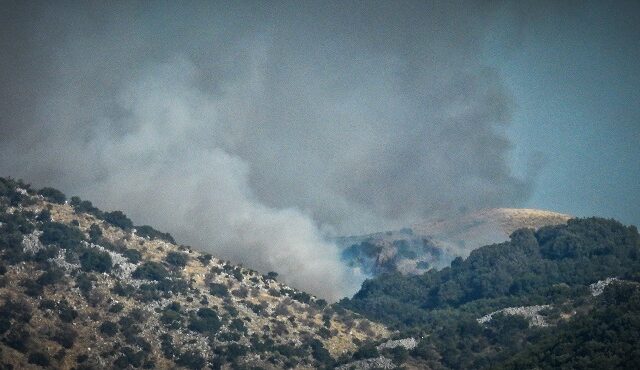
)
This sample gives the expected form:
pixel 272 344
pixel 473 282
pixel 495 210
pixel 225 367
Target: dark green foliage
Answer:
pixel 367 350
pixel 608 337
pixel 206 321
pixel 237 273
pixel 61 235
pixel 108 328
pixel 150 232
pixel 272 275
pixel 92 259
pixel 301 297
pixel 18 310
pixel 66 312
pixel 65 336
pixel 218 290
pixel 116 307
pixel 39 358
pixel 53 195
pixel 17 338
pixel 128 357
pixel 191 360
pixel 553 265
pixel 320 353
pixel 151 271
pixel 84 283
pixel 84 206
pixel 118 219
pixel 124 290
pixel 32 288
pixel 44 216
pixel 171 316
pixel 176 259
pixel 95 233
pixel 238 325
pixel 50 276
pixel 133 255
pixel 167 347
pixel 205 259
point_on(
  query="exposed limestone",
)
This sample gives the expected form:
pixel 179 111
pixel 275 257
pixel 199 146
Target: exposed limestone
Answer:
pixel 369 363
pixel 407 343
pixel 531 313
pixel 598 287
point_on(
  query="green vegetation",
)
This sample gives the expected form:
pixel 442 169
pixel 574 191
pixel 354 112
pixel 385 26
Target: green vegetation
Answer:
pixel 176 259
pixel 151 271
pixel 150 232
pixel 118 219
pixel 53 195
pixel 95 260
pixel 554 266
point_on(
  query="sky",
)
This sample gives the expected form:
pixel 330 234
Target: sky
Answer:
pixel 258 130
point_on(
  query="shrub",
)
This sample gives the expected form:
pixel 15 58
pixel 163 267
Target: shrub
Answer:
pixel 118 219
pixel 205 259
pixel 207 321
pixel 151 271
pixel 150 232
pixel 176 259
pixel 116 307
pixel 53 195
pixel 108 328
pixel 191 360
pixel 95 260
pixel 95 233
pixel 17 338
pixel 50 277
pixel 39 358
pixel 84 283
pixel 218 290
pixel 66 312
pixel 171 316
pixel 61 235
pixel 66 336
pixel 133 255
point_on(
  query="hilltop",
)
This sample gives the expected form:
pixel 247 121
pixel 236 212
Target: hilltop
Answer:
pixel 86 289
pixel 434 243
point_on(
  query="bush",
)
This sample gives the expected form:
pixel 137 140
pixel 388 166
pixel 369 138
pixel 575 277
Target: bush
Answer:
pixel 176 259
pixel 50 277
pixel 66 312
pixel 118 219
pixel 218 290
pixel 39 358
pixel 205 259
pixel 150 232
pixel 95 233
pixel 151 271
pixel 207 321
pixel 116 307
pixel 108 328
pixel 66 336
pixel 191 360
pixel 61 235
pixel 53 195
pixel 95 260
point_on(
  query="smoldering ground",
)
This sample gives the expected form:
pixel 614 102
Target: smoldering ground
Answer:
pixel 255 130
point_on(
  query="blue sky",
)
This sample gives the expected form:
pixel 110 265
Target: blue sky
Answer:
pixel 575 80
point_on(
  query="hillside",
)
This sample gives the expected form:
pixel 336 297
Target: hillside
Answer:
pixel 564 295
pixel 434 243
pixel 86 289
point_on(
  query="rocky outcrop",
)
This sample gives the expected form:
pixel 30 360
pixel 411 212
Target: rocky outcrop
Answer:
pixel 531 313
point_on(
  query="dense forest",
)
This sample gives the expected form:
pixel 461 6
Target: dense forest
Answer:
pixel 553 266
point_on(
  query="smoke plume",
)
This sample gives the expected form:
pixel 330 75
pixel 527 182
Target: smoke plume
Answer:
pixel 254 131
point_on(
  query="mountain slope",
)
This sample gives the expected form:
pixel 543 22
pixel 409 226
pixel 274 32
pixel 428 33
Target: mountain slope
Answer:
pixel 82 288
pixel 507 299
pixel 435 243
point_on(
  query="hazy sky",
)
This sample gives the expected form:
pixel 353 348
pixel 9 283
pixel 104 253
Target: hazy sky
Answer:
pixel 256 130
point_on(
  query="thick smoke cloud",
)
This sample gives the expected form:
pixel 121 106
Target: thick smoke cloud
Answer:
pixel 254 131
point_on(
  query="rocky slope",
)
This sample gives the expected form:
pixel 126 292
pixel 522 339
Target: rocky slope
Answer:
pixel 85 289
pixel 436 242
